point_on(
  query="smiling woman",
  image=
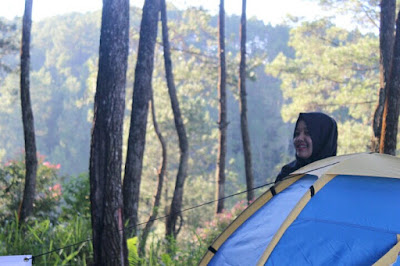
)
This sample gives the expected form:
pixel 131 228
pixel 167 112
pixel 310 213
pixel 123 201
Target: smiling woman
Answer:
pixel 314 138
pixel 302 141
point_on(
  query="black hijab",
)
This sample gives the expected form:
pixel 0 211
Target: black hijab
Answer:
pixel 323 133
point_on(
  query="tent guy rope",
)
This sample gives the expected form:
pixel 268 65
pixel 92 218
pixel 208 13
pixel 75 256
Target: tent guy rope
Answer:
pixel 184 210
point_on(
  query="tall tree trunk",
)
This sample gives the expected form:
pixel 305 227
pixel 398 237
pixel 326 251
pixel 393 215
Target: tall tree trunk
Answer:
pixel 140 107
pixel 386 41
pixel 176 204
pixel 243 106
pixel 390 119
pixel 26 206
pixel 161 174
pixel 222 120
pixel 109 243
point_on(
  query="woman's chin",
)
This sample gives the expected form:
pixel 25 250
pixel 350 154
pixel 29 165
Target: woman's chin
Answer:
pixel 303 155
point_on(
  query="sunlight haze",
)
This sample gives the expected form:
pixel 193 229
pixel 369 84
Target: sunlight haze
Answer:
pixel 273 12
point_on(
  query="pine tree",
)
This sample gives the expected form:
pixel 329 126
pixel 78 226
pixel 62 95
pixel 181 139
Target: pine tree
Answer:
pixel 109 243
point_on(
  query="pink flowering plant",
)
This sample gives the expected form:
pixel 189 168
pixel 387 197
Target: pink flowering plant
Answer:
pixel 214 228
pixel 48 189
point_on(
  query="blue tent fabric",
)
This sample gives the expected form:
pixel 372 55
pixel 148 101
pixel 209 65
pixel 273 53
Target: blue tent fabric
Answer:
pixel 331 244
pixel 352 220
pixel 246 245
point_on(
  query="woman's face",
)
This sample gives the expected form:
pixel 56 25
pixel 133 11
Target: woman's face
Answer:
pixel 302 141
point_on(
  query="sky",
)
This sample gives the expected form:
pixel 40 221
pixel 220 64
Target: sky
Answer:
pixel 270 11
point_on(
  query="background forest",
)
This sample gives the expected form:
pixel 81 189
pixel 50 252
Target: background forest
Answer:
pixel 294 67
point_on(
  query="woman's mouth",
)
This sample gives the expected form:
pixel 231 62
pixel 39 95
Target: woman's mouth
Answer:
pixel 301 147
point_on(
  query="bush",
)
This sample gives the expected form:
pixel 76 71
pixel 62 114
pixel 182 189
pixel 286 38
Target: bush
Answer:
pixel 60 221
pixel 214 228
pixel 76 195
pixel 48 189
pixel 39 238
pixel 190 249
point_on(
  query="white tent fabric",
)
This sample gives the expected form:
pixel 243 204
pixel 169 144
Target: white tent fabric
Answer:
pixel 17 260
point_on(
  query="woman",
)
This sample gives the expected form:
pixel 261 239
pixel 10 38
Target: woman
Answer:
pixel 314 138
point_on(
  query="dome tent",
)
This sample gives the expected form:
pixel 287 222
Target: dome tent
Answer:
pixel 342 210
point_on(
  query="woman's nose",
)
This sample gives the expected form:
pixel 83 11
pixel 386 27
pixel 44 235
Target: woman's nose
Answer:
pixel 300 136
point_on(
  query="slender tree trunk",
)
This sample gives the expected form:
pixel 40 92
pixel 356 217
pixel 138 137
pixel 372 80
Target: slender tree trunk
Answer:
pixel 390 119
pixel 176 204
pixel 161 173
pixel 243 106
pixel 222 120
pixel 26 206
pixel 140 108
pixel 386 41
pixel 109 243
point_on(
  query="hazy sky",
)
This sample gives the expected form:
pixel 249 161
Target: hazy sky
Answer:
pixel 267 10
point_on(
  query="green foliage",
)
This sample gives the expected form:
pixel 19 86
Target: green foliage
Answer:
pixel 211 230
pixel 364 13
pixel 9 33
pixel 39 237
pixel 190 250
pixel 133 256
pixel 63 80
pixel 166 259
pixel 193 37
pixel 76 192
pixel 48 189
pixel 59 219
pixel 334 71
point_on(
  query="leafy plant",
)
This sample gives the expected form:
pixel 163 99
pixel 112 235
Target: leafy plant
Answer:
pixel 76 193
pixel 59 219
pixel 46 242
pixel 48 189
pixel 133 256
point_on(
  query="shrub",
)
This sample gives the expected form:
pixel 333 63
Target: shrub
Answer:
pixel 48 189
pixel 76 195
pixel 61 244
pixel 213 229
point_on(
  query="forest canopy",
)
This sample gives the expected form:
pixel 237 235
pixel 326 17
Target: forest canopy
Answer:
pixel 64 65
pixel 292 68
